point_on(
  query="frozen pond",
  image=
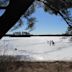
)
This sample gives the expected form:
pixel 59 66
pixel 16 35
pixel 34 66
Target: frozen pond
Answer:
pixel 37 48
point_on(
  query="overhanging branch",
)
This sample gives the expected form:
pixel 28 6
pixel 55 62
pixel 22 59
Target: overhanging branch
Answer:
pixel 57 12
pixel 13 12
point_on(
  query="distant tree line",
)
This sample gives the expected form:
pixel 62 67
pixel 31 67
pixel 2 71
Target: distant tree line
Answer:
pixel 21 33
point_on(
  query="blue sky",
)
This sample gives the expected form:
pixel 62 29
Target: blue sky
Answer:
pixel 47 23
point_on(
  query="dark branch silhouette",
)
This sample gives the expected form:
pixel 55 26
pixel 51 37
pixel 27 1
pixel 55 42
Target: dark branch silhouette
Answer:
pixel 13 12
pixel 57 11
pixel 3 7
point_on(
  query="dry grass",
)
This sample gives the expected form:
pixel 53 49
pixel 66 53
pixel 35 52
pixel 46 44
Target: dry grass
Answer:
pixel 12 64
pixel 35 66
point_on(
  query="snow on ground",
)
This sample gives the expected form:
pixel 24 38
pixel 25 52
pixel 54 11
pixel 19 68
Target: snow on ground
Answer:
pixel 37 48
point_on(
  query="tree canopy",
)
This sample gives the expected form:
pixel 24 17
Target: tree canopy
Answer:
pixel 17 8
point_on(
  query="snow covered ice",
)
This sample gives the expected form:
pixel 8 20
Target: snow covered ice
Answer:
pixel 37 48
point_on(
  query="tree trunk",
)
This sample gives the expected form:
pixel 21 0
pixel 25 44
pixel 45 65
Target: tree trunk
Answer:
pixel 14 11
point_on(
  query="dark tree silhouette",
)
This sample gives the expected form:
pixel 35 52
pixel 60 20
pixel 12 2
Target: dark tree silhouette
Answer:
pixel 14 11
